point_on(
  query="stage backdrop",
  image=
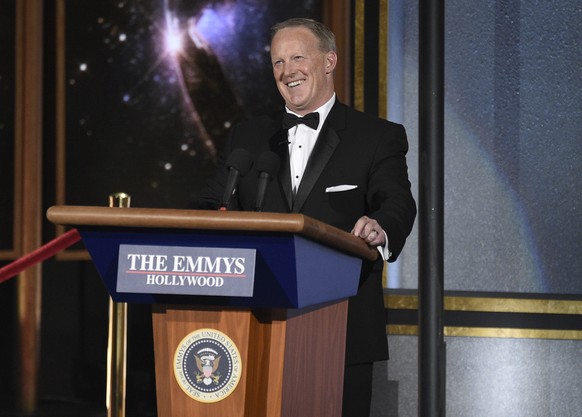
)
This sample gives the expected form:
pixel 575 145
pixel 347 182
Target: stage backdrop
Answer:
pixel 513 140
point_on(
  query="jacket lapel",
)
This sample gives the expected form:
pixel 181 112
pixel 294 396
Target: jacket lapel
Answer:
pixel 322 152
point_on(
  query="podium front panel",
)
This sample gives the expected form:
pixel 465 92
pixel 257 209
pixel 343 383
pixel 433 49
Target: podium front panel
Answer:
pixel 290 271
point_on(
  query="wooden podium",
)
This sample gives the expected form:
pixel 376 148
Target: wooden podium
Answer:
pixel 276 352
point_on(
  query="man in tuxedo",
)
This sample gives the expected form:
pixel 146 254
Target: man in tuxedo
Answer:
pixel 340 166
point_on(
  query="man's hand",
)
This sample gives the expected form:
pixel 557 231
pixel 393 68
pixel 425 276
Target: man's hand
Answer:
pixel 369 230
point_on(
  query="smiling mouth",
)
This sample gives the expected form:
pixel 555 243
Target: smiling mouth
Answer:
pixel 294 83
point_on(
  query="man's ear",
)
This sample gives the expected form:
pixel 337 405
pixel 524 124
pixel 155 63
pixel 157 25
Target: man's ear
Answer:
pixel 331 62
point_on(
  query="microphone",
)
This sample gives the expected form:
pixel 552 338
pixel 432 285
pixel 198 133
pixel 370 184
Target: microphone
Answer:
pixel 239 162
pixel 268 167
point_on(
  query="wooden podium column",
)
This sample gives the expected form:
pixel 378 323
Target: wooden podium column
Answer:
pixel 293 360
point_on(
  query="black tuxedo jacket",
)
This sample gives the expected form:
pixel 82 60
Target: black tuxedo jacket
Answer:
pixel 353 148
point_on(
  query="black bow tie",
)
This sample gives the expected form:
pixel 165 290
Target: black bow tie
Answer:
pixel 311 120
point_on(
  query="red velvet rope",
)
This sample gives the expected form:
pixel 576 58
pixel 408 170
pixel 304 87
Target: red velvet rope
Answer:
pixel 39 255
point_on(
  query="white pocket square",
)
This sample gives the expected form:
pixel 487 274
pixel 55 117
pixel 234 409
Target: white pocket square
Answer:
pixel 338 188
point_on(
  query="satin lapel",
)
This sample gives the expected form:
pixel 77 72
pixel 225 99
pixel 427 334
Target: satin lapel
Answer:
pixel 323 150
pixel 279 145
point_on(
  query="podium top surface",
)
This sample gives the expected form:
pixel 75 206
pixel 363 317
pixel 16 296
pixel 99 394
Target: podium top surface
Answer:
pixel 212 220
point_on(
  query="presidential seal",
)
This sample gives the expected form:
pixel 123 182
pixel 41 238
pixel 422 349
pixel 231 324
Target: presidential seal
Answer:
pixel 207 365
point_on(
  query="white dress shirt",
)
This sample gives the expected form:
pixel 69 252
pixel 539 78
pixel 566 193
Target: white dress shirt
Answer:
pixel 301 142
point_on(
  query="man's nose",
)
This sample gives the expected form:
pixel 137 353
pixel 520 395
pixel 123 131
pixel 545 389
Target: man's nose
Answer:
pixel 289 69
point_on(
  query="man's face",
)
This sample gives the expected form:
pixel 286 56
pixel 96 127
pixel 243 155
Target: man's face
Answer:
pixel 303 73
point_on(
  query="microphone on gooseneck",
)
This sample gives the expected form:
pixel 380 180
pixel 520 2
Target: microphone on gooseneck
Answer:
pixel 268 167
pixel 239 163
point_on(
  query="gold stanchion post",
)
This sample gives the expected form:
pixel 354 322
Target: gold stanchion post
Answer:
pixel 117 341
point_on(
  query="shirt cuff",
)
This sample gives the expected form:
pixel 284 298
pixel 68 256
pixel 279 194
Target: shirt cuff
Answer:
pixel 385 250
